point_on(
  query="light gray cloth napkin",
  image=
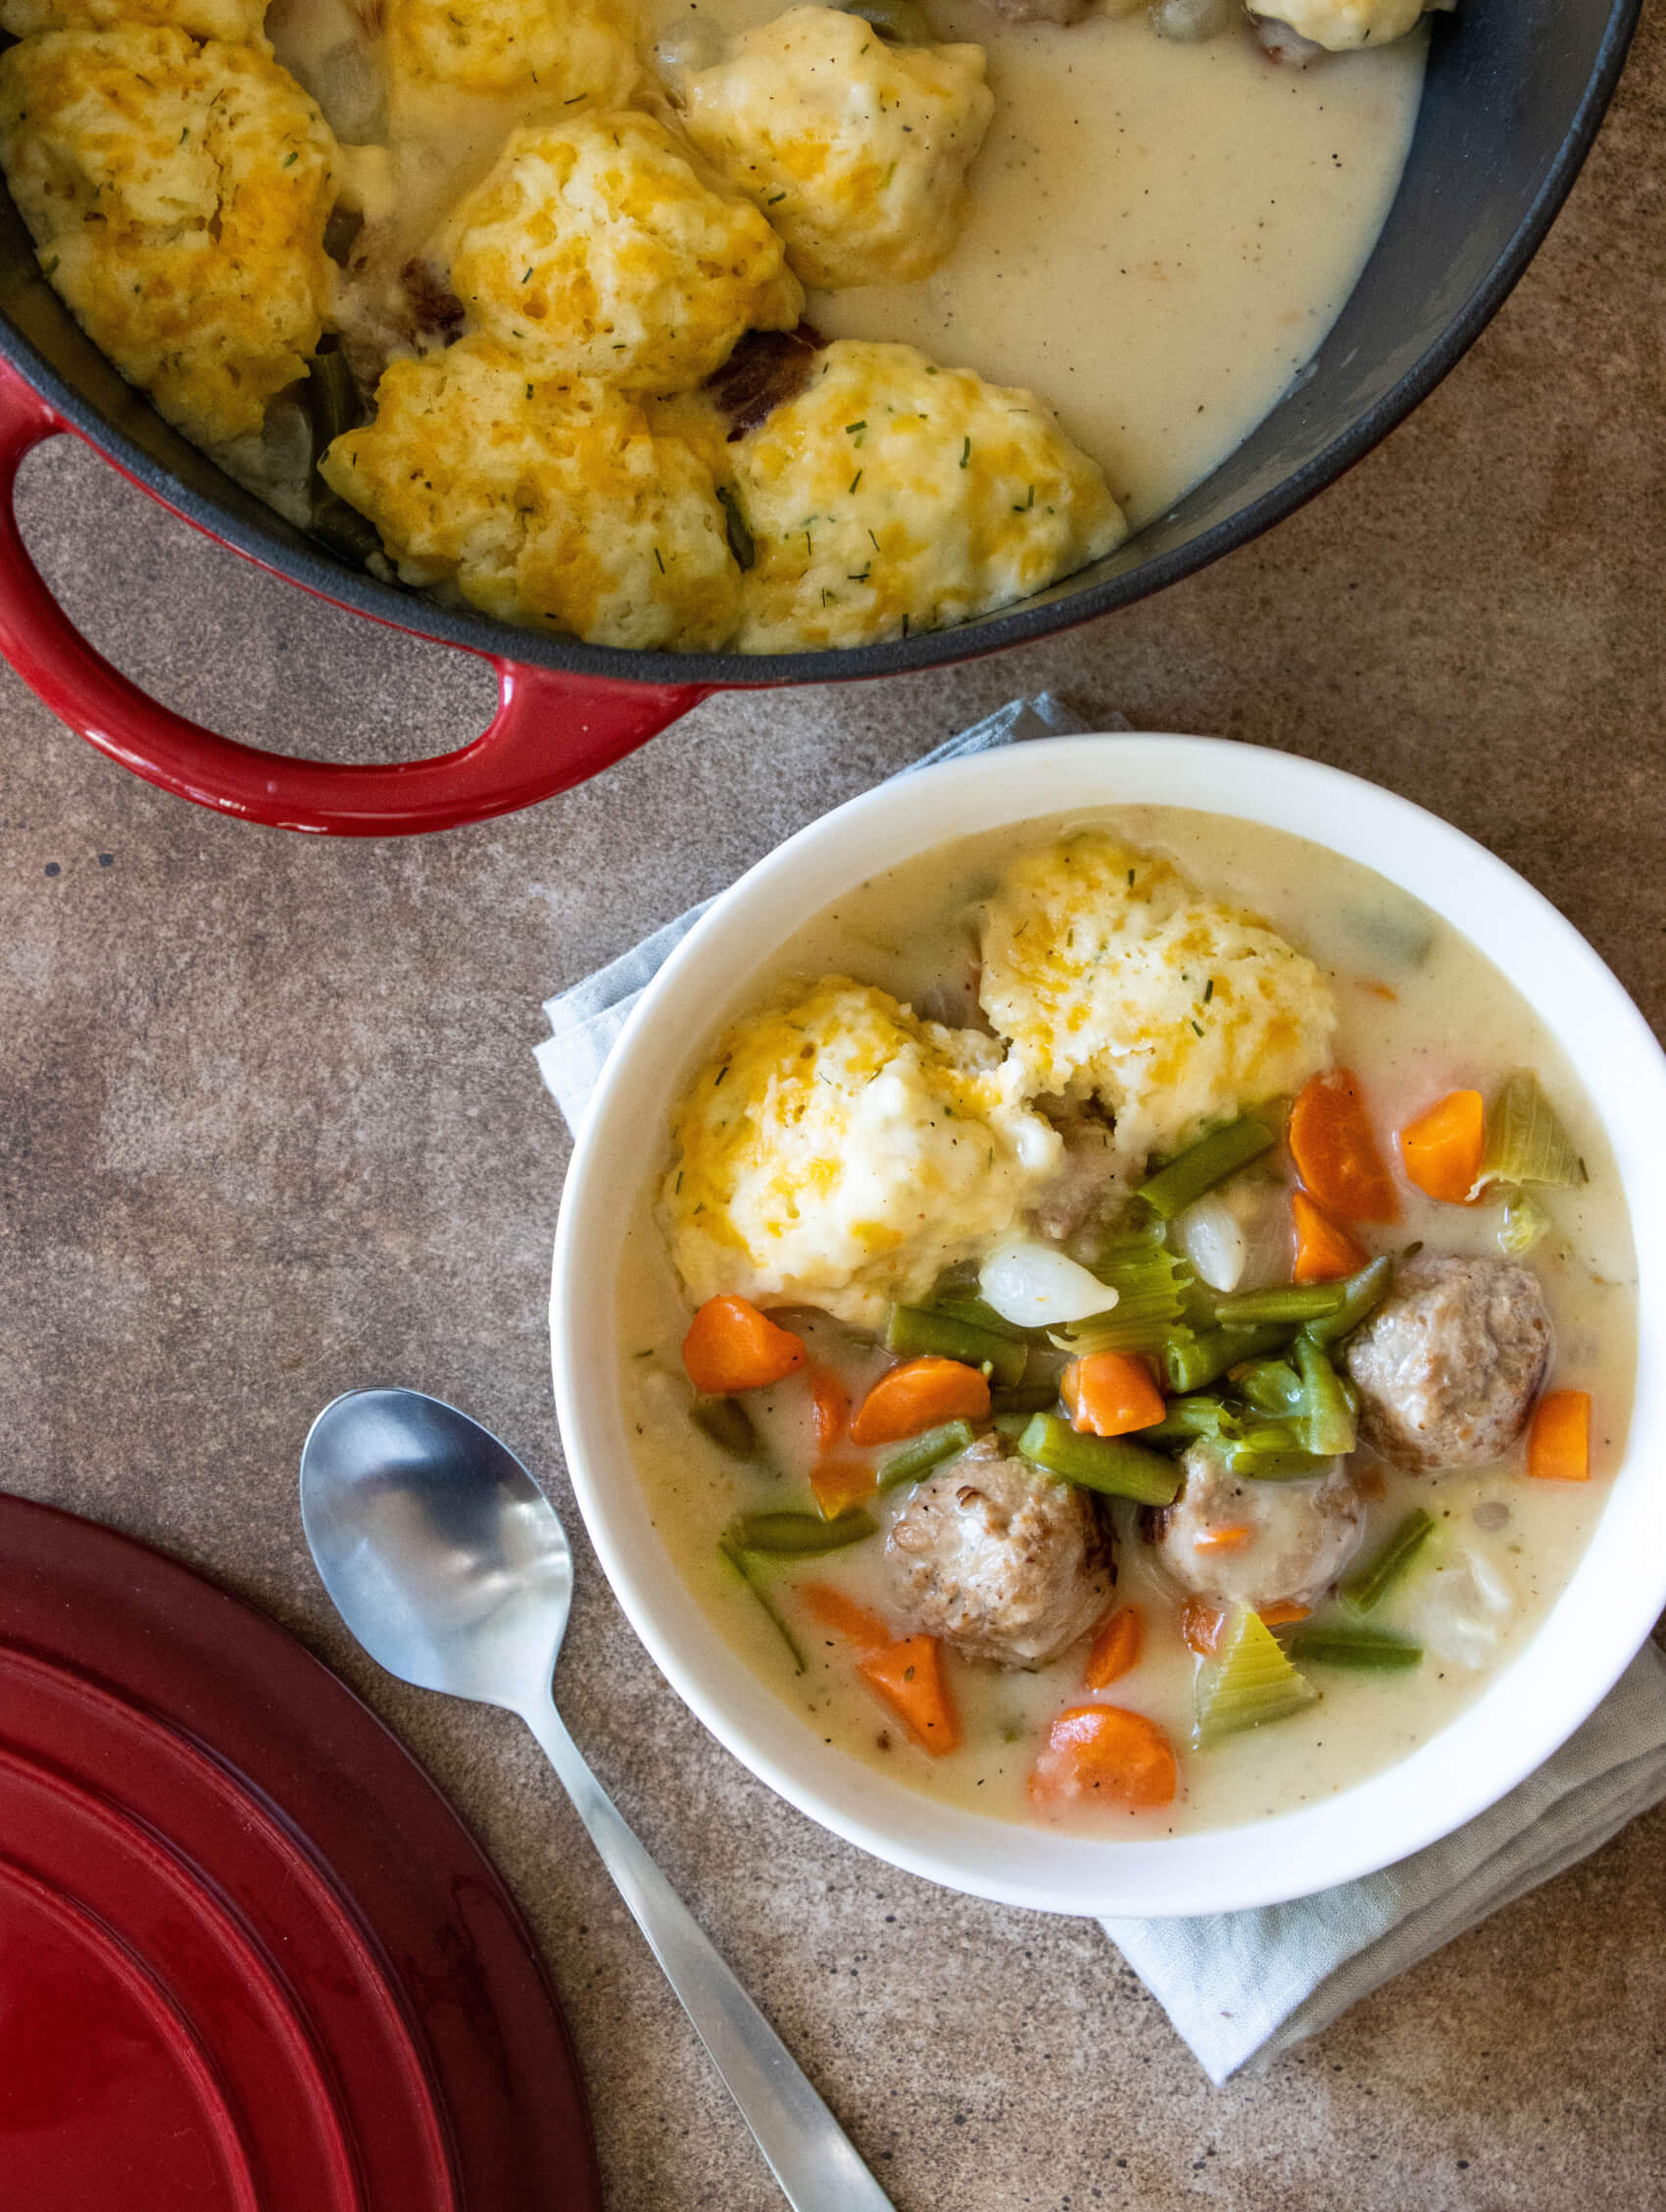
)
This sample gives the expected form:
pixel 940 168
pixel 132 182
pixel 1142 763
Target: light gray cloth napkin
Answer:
pixel 1241 1983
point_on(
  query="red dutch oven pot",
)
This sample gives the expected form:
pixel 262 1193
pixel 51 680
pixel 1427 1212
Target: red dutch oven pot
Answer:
pixel 1515 94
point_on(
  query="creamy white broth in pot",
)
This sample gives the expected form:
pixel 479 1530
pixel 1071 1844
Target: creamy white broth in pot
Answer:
pixel 1419 1016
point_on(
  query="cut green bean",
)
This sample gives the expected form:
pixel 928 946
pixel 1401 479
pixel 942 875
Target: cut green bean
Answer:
pixel 1112 1464
pixel 798 1535
pixel 1370 1583
pixel 726 1421
pixel 1330 1423
pixel 1201 1167
pixel 1271 1386
pixel 966 1306
pixel 1290 1303
pixel 1349 1644
pixel 1012 1425
pixel 915 1331
pixel 1192 1361
pixel 1187 1418
pixel 754 1581
pixel 1027 1397
pixel 1361 1294
pixel 922 1452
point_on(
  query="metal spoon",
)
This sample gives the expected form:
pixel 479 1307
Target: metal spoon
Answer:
pixel 449 1564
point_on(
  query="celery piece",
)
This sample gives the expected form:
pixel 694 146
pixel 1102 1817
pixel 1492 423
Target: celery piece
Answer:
pixel 913 1331
pixel 929 1449
pixel 1350 1644
pixel 1201 1167
pixel 1113 1464
pixel 798 1535
pixel 1330 1423
pixel 1192 1361
pixel 1152 1288
pixel 1291 1303
pixel 1370 1582
pixel 1247 1682
pixel 726 1421
pixel 1523 1223
pixel 754 1581
pixel 1361 1294
pixel 1525 1141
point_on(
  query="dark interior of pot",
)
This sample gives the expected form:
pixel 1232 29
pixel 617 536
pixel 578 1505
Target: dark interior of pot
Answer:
pixel 1514 92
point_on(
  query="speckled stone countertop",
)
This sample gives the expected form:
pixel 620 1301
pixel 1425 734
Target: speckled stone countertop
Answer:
pixel 270 1127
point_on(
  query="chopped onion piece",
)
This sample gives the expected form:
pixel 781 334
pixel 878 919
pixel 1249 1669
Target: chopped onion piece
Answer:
pixel 1211 1236
pixel 1035 1286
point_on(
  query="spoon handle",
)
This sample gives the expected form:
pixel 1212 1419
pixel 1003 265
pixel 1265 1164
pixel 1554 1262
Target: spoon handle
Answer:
pixel 809 2152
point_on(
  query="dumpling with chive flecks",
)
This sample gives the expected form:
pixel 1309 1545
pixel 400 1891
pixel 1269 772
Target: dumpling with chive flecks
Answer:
pixel 836 1151
pixel 1117 980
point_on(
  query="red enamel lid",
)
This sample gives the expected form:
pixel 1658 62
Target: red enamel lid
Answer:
pixel 250 1959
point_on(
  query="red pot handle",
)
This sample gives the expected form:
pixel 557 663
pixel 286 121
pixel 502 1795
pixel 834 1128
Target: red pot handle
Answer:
pixel 551 729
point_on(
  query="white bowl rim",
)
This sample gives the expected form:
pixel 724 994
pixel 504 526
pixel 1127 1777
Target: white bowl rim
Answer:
pixel 1518 1720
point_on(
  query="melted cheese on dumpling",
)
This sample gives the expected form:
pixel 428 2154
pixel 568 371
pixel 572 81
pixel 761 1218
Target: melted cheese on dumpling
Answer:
pixel 177 196
pixel 595 249
pixel 1116 978
pixel 541 500
pixel 836 1151
pixel 855 149
pixel 890 495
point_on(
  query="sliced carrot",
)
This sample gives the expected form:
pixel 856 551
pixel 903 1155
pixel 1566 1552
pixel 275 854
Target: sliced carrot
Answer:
pixel 1233 1538
pixel 1559 1444
pixel 908 1676
pixel 1201 1623
pixel 839 1611
pixel 1107 1755
pixel 919 1394
pixel 1111 1394
pixel 830 1402
pixel 1335 1150
pixel 731 1346
pixel 1441 1149
pixel 1115 1646
pixel 1380 989
pixel 1324 1249
pixel 842 1483
pixel 1282 1613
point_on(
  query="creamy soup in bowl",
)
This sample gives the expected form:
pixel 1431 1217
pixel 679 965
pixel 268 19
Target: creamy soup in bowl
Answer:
pixel 1096 1325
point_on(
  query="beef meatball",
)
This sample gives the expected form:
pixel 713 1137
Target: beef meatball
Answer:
pixel 1450 1364
pixel 1300 1535
pixel 1000 1562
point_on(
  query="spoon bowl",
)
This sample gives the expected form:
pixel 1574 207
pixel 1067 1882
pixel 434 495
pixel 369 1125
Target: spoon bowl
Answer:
pixel 450 1567
pixel 440 1552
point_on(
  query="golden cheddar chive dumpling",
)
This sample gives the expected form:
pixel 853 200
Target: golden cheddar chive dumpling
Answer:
pixel 890 495
pixel 1345 25
pixel 237 22
pixel 836 1151
pixel 1117 980
pixel 558 50
pixel 856 150
pixel 177 198
pixel 541 500
pixel 597 250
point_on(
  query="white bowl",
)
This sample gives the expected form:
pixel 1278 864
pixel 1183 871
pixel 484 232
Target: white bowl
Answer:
pixel 1520 1717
